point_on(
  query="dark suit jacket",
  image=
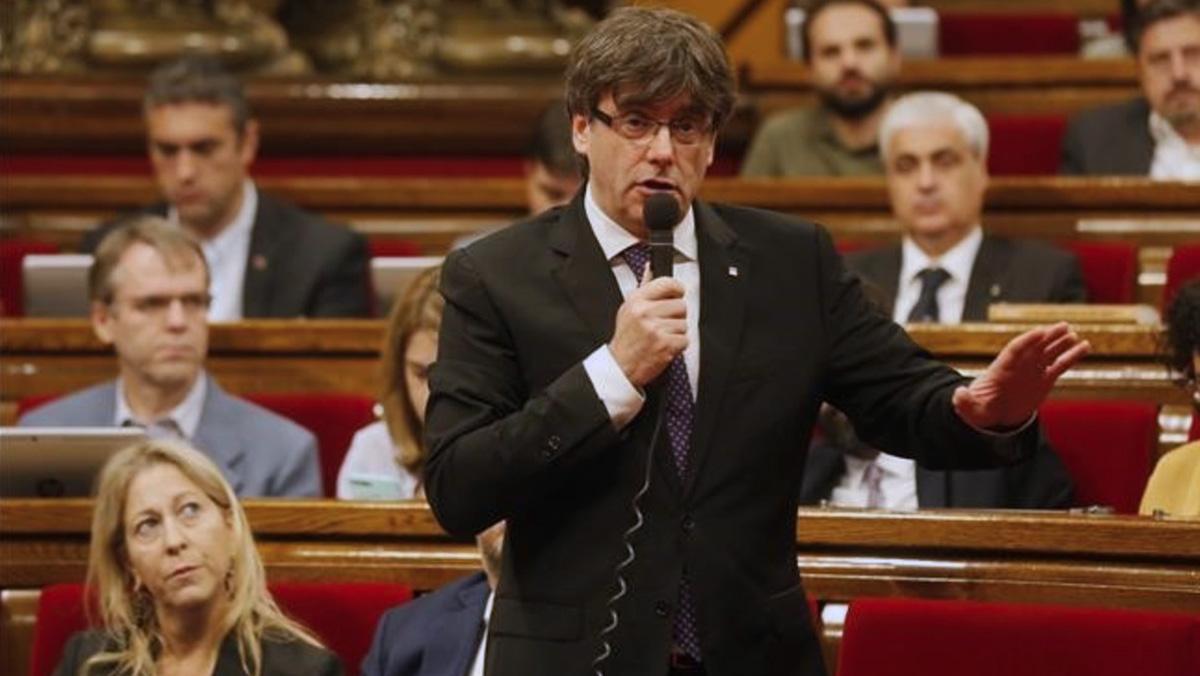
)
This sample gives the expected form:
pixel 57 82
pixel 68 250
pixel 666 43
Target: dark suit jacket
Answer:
pixel 434 635
pixel 517 431
pixel 1004 271
pixel 291 658
pixel 1113 139
pixel 298 266
pixel 260 453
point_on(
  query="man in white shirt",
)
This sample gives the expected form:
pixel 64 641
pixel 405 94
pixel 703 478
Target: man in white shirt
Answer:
pixel 149 291
pixel 268 258
pixel 1158 134
pixel 945 270
pixel 443 633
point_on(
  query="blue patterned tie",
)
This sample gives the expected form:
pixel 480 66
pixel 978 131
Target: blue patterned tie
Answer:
pixel 680 412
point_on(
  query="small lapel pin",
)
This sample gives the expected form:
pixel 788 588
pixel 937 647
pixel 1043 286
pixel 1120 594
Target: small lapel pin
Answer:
pixel 259 262
pixel 995 291
pixel 733 271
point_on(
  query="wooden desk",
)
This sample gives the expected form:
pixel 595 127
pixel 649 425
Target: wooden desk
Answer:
pixel 1086 560
pixel 45 357
pixel 315 116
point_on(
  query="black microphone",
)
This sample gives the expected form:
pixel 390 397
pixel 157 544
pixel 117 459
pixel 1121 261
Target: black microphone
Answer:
pixel 661 214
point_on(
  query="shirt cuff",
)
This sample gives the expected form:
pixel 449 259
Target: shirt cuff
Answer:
pixel 622 400
pixel 1005 433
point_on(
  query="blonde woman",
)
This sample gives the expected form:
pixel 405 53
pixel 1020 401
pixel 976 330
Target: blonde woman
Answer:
pixel 387 458
pixel 180 585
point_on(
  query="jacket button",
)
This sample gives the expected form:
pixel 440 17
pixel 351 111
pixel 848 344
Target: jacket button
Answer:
pixel 688 524
pixel 662 608
pixel 554 442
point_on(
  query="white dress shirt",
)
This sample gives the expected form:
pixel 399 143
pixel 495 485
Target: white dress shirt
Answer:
pixel 226 255
pixel 185 417
pixel 1174 158
pixel 952 294
pixel 620 397
pixel 477 662
pixel 898 484
pixel 371 471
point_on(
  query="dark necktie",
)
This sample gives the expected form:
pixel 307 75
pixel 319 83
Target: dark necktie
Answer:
pixel 680 413
pixel 926 307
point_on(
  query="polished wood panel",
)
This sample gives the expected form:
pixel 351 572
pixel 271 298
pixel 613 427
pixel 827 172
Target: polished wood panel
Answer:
pixel 494 117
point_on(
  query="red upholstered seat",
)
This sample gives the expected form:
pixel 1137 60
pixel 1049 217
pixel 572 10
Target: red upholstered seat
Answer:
pixel 27 404
pixel 1025 145
pixel 980 33
pixel 1106 446
pixel 393 246
pixel 918 637
pixel 343 615
pixel 12 253
pixel 332 417
pixel 1184 265
pixel 1109 270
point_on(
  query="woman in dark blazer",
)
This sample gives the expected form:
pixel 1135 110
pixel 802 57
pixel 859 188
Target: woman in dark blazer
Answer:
pixel 179 585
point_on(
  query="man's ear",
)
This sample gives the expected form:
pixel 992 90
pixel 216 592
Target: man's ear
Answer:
pixel 249 145
pixel 102 317
pixel 580 133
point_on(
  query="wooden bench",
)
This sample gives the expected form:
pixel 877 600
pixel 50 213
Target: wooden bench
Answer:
pixel 1061 558
pixel 40 357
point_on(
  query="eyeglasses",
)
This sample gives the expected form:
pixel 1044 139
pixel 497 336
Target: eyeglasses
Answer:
pixel 192 303
pixel 636 127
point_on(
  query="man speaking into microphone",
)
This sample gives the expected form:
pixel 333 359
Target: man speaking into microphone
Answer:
pixel 579 396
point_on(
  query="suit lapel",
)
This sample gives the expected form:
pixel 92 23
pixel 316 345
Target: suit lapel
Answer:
pixel 585 275
pixel 456 635
pixel 724 275
pixel 215 435
pixel 986 285
pixel 264 240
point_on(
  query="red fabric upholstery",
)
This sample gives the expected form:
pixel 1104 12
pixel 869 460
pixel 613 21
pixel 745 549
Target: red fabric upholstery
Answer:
pixel 1106 446
pixel 1184 265
pixel 332 417
pixel 343 615
pixel 976 34
pixel 393 246
pixel 918 637
pixel 1194 432
pixel 1109 270
pixel 1025 145
pixel 12 253
pixel 60 613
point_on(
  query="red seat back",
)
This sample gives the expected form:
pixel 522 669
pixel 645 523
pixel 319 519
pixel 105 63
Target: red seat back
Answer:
pixel 343 615
pixel 332 417
pixel 988 33
pixel 1025 145
pixel 1106 446
pixel 1183 266
pixel 12 288
pixel 1109 270
pixel 393 246
pixel 919 637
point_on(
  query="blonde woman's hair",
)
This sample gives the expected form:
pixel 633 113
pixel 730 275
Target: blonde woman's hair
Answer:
pixel 127 614
pixel 419 309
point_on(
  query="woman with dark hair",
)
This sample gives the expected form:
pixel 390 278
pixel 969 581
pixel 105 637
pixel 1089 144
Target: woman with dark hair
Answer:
pixel 1174 488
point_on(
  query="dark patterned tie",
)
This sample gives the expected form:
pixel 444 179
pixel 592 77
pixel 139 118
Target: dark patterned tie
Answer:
pixel 680 412
pixel 926 307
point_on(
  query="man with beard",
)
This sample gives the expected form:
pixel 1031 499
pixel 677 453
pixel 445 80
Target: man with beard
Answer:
pixel 850 48
pixel 149 290
pixel 443 633
pixel 1158 134
pixel 268 258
